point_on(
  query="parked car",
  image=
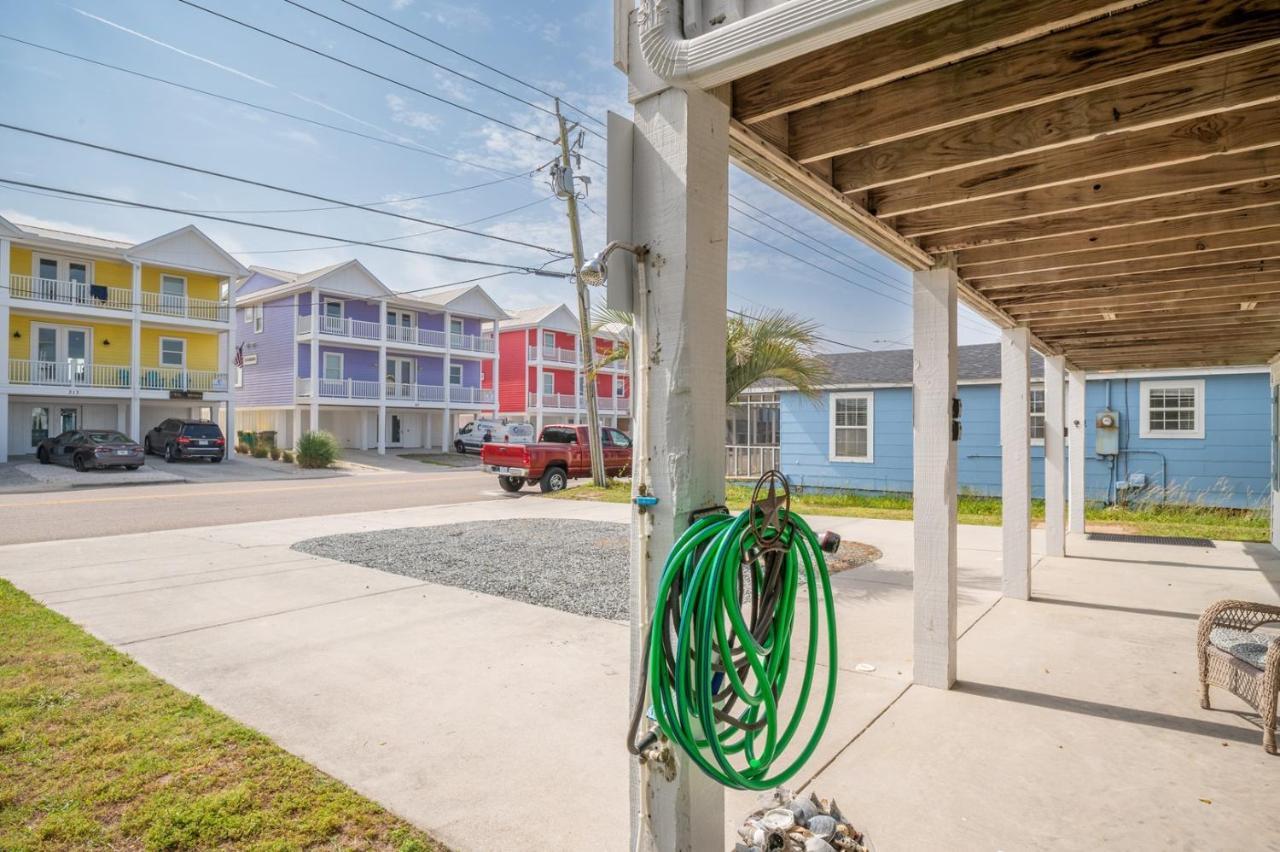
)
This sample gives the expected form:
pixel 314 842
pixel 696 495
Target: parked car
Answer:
pixel 91 448
pixel 176 438
pixel 474 435
pixel 560 454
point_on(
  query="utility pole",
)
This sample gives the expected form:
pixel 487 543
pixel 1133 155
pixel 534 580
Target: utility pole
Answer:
pixel 563 182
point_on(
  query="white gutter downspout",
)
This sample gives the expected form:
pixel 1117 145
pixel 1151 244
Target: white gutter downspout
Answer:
pixel 756 41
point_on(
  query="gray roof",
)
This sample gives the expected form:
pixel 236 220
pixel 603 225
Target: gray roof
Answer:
pixel 894 366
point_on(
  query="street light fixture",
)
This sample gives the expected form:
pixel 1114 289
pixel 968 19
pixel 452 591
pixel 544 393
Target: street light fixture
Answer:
pixel 596 270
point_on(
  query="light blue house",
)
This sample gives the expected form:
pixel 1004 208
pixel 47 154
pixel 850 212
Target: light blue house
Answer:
pixel 1181 435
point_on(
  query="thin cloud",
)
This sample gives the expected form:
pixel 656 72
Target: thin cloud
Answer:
pixel 168 46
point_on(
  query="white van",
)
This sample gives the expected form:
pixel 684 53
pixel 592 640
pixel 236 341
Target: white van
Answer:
pixel 474 435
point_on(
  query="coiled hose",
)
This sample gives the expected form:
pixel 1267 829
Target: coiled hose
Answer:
pixel 728 593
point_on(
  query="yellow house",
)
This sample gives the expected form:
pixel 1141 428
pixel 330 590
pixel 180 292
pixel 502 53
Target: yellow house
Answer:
pixel 109 334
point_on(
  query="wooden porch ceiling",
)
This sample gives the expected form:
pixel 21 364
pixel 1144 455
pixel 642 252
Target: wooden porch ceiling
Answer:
pixel 1105 173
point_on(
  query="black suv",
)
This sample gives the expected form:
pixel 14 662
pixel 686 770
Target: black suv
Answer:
pixel 186 439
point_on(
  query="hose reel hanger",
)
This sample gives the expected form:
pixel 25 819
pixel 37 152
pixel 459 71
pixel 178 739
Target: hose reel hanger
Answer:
pixel 721 671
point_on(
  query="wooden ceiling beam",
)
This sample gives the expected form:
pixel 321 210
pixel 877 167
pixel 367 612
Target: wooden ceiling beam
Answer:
pixel 1155 38
pixel 1154 361
pixel 1172 248
pixel 1095 193
pixel 938 38
pixel 1179 266
pixel 1236 82
pixel 1190 307
pixel 1102 161
pixel 1053 327
pixel 1105 289
pixel 1217 352
pixel 1220 333
pixel 1067 337
pixel 1147 210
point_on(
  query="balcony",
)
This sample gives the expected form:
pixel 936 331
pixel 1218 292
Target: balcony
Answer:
pixel 553 354
pixel 402 393
pixel 612 404
pixel 84 294
pixel 77 374
pixel 559 401
pixel 470 396
pixel 352 329
pixel 398 393
pixel 417 336
pixel 340 389
pixel 372 332
pixel 472 342
pixel 183 307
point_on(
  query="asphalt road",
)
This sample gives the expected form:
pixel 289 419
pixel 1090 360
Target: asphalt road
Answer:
pixel 85 513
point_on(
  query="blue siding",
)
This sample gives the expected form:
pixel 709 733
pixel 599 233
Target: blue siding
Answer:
pixel 1229 467
pixel 270 381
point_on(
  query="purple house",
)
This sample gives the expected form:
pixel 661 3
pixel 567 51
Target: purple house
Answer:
pixel 336 349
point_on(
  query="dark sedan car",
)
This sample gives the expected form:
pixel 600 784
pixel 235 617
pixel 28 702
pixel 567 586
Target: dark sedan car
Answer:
pixel 91 448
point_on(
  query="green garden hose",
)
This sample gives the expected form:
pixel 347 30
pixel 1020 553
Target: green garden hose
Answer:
pixel 728 593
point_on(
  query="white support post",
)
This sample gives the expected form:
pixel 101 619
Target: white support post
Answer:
pixel 446 436
pixel 681 212
pixel 1076 450
pixel 933 396
pixel 314 423
pixel 135 357
pixel 6 279
pixel 1015 460
pixel 497 411
pixel 1055 378
pixel 382 384
pixel 296 424
pixel 229 454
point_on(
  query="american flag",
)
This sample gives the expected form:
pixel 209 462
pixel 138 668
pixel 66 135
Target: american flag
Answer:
pixel 239 361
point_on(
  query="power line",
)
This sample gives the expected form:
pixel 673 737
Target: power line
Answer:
pixel 745 315
pixel 414 147
pixel 368 71
pixel 275 188
pixel 470 58
pixel 530 270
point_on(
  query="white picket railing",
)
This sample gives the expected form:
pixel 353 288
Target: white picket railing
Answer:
pixel 178 379
pixel 341 389
pixel 613 403
pixel 71 373
pixel 399 392
pixel 552 353
pixel 566 401
pixel 59 292
pixel 471 342
pixel 470 396
pixel 185 307
pixel 416 336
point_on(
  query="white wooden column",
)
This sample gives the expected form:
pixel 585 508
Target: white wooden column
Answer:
pixel 135 357
pixel 1055 379
pixel 681 212
pixel 382 373
pixel 314 424
pixel 296 423
pixel 447 437
pixel 497 413
pixel 933 393
pixel 6 280
pixel 1077 452
pixel 229 453
pixel 1015 460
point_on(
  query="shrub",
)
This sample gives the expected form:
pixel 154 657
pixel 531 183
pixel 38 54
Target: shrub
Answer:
pixel 286 457
pixel 259 452
pixel 317 449
pixel 275 453
pixel 242 447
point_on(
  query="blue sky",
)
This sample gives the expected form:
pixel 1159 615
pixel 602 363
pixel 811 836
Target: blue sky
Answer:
pixel 567 54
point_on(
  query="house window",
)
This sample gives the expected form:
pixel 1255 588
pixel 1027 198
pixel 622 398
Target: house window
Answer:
pixel 248 315
pixel 1037 415
pixel 455 374
pixel 851 429
pixel 257 320
pixel 548 383
pixel 548 340
pixel 455 326
pixel 332 317
pixel 619 390
pixel 1173 409
pixel 332 366
pixel 173 352
pixel 173 285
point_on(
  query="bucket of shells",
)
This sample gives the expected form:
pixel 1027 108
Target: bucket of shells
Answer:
pixel 787 823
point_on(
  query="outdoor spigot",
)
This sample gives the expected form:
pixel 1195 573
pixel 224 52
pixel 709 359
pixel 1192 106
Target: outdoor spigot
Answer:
pixel 829 541
pixel 643 499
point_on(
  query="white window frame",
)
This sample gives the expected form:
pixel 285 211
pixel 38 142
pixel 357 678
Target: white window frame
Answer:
pixel 462 328
pixel 249 315
pixel 1144 390
pixel 63 264
pixel 179 278
pixel 257 318
pixel 548 340
pixel 180 340
pixel 1032 415
pixel 552 378
pixel 457 367
pixel 870 397
pixel 324 366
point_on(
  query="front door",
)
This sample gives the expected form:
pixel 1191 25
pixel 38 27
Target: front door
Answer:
pixel 60 354
pixel 397 427
pixel 68 419
pixel 400 378
pixel 39 425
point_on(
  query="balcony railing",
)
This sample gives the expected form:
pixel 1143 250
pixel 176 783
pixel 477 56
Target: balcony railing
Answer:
pixel 68 374
pixel 399 392
pixel 471 342
pixel 184 307
pixel 416 336
pixel 749 462
pixel 35 289
pixel 363 330
pixel 178 379
pixel 555 354
pixel 564 401
pixel 612 403
pixel 470 396
pixel 341 388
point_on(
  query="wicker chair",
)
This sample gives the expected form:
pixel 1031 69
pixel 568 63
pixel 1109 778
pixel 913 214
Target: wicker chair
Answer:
pixel 1230 660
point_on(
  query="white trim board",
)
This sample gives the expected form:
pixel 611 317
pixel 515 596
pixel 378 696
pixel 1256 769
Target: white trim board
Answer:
pixel 870 399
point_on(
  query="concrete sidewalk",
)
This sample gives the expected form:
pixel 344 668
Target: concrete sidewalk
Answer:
pixel 1076 722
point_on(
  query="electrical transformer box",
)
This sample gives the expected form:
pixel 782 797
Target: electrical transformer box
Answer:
pixel 1106 428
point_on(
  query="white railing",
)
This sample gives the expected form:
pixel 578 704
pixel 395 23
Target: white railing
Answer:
pixel 185 307
pixel 552 353
pixel 749 462
pixel 416 336
pixel 471 342
pixel 304 324
pixel 177 379
pixel 341 388
pixel 68 374
pixel 554 400
pixel 348 327
pixel 470 396
pixel 70 293
pixel 613 403
pixel 398 392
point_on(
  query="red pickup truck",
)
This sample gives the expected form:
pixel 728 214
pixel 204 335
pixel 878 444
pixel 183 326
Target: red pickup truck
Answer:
pixel 560 454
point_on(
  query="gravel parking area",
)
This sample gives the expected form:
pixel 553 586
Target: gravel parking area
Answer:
pixel 570 565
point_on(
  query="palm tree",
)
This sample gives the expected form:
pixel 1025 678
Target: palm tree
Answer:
pixel 768 345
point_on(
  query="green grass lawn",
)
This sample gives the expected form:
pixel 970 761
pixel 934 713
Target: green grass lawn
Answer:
pixel 1193 521
pixel 97 753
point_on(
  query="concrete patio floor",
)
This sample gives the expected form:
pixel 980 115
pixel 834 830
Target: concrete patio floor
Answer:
pixel 1076 722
